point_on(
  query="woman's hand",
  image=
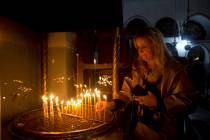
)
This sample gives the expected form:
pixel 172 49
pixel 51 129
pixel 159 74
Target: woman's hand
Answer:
pixel 100 106
pixel 148 100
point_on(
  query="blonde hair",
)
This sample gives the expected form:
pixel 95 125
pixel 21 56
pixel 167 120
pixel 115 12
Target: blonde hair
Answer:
pixel 161 53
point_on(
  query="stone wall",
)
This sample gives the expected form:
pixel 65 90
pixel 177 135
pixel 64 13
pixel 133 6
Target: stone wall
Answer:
pixel 20 72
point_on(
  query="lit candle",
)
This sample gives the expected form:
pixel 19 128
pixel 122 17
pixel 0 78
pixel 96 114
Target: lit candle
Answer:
pixel 85 86
pixel 78 107
pixel 72 106
pixel 105 98
pixel 62 105
pixel 51 110
pixel 94 103
pixel 45 106
pixel 98 100
pixel 65 109
pixel 88 105
pixel 45 109
pixel 75 108
pixel 77 89
pixel 85 107
pixel 79 101
pixel 68 106
pixel 51 104
pixel 58 107
pixel 82 96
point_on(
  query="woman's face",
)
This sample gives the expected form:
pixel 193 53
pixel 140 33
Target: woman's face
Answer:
pixel 144 48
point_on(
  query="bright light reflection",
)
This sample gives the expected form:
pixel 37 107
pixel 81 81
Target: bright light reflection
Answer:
pixel 180 47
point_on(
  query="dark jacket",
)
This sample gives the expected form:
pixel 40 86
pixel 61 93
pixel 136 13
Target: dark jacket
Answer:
pixel 178 94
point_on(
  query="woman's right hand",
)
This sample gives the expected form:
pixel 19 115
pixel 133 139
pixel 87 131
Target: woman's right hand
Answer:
pixel 100 106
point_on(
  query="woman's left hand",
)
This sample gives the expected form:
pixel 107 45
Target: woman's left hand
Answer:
pixel 148 100
pixel 100 106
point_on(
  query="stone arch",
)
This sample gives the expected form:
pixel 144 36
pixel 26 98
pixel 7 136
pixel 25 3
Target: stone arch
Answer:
pixel 135 23
pixel 197 27
pixel 145 20
pixel 168 27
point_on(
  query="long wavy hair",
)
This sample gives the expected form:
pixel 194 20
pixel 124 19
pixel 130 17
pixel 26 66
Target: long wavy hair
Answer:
pixel 160 51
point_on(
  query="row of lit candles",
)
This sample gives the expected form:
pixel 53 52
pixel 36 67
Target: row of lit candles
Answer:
pixel 83 106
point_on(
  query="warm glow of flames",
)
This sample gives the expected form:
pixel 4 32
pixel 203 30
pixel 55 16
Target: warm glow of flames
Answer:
pixel 82 106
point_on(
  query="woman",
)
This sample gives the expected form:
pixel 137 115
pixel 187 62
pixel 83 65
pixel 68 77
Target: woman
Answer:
pixel 172 100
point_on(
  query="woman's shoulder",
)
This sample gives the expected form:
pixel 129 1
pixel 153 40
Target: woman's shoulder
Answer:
pixel 173 65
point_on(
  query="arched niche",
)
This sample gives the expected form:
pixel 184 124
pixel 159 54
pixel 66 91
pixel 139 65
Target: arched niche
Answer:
pixel 196 27
pixel 168 27
pixel 135 23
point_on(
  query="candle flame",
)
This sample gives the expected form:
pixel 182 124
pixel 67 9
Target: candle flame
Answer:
pixel 51 96
pixel 44 98
pixel 104 96
pixel 98 94
pixel 68 103
pixel 56 99
pixel 76 85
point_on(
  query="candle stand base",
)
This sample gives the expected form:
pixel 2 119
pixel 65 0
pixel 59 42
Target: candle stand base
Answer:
pixel 34 126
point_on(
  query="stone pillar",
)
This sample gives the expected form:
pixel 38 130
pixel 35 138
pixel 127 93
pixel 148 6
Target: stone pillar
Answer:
pixel 61 57
pixel 116 60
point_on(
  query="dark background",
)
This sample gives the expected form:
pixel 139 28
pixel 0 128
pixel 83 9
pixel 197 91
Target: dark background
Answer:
pixel 67 16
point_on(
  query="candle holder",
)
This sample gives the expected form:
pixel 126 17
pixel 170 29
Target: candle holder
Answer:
pixel 33 125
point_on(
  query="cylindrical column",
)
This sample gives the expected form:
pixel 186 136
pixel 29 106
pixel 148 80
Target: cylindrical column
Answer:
pixel 44 55
pixel 115 69
pixel 61 55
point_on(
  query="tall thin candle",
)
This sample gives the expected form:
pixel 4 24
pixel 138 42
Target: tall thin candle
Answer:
pixel 68 107
pixel 57 107
pixel 82 97
pixel 62 106
pixel 94 103
pixel 105 98
pixel 98 100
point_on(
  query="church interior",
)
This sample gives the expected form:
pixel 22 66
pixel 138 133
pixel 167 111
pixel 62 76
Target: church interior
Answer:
pixel 58 59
